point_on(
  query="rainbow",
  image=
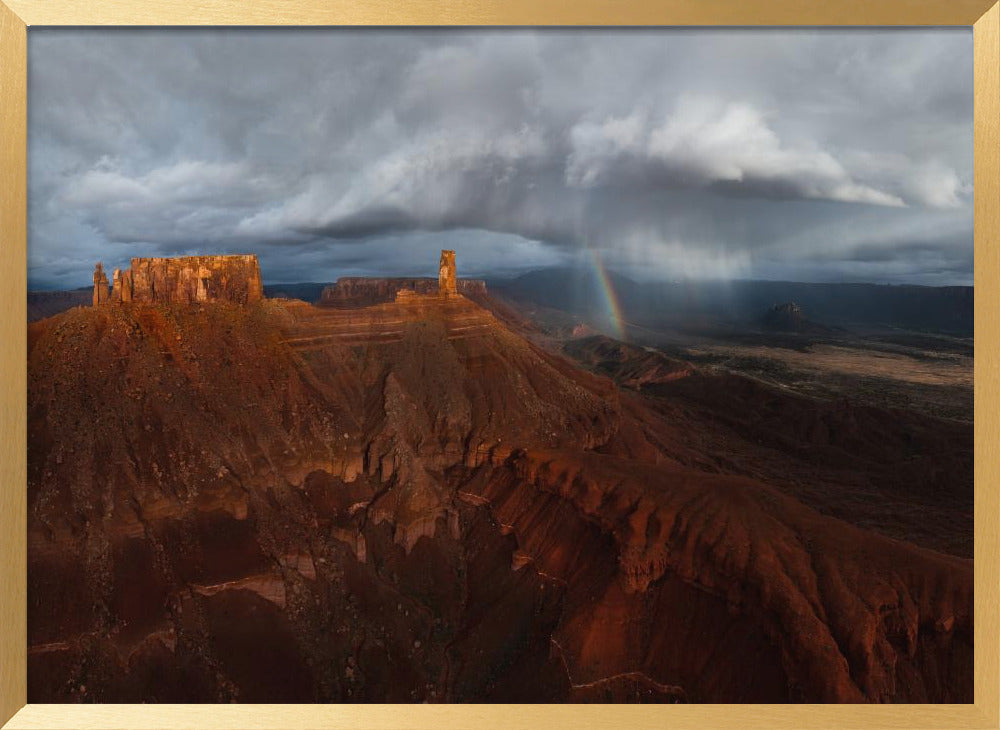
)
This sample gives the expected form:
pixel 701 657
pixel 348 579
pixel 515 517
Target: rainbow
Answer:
pixel 613 307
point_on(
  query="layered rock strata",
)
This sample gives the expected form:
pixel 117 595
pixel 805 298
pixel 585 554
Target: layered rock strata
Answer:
pixel 184 280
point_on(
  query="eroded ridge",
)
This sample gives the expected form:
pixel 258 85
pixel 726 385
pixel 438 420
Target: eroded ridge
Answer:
pixel 272 501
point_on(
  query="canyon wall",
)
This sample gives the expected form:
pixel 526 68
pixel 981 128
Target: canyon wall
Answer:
pixel 412 502
pixel 189 279
pixel 184 279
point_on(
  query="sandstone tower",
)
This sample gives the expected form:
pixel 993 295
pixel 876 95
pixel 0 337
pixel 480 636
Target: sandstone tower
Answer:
pixel 100 285
pixel 447 284
pixel 121 286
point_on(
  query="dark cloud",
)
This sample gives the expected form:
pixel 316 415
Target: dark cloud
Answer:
pixel 711 153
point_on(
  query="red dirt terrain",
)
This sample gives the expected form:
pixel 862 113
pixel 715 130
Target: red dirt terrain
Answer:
pixel 411 502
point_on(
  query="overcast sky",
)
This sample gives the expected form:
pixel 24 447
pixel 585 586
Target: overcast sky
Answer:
pixel 802 155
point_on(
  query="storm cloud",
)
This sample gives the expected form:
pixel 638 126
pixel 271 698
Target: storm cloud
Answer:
pixel 809 155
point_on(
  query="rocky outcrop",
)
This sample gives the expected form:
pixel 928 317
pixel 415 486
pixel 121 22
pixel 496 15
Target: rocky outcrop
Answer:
pixel 446 274
pixel 122 287
pixel 355 292
pixel 185 280
pixel 100 285
pixel 790 317
pixel 823 611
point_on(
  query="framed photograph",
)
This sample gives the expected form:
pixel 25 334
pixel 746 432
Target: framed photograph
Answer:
pixel 499 366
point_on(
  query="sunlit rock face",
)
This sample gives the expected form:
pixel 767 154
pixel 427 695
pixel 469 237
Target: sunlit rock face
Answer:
pixel 269 501
pixel 185 280
pixel 100 285
pixel 446 274
pixel 353 292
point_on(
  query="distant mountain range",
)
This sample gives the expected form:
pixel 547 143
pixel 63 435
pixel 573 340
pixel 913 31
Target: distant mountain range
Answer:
pixel 947 310
pixel 309 291
pixel 933 309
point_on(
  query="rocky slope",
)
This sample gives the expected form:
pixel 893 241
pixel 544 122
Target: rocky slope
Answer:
pixel 410 502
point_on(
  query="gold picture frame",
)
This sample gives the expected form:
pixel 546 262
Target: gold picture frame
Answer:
pixel 15 18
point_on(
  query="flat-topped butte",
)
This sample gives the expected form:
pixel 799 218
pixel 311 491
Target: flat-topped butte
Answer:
pixel 182 279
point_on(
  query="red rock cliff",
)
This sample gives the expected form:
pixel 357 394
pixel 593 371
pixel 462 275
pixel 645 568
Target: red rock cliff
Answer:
pixel 446 274
pixel 188 279
pixel 100 285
